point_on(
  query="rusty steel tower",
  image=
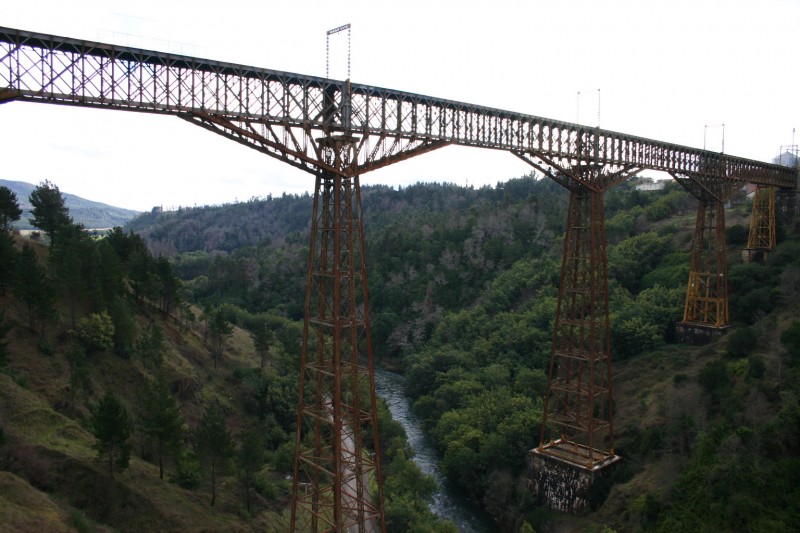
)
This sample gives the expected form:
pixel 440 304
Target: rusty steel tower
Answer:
pixel 578 423
pixel 763 222
pixel 706 307
pixel 337 482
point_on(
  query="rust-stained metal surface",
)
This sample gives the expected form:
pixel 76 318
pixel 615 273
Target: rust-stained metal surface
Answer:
pixel 763 228
pixel 578 421
pixel 334 473
pixel 282 113
pixel 707 290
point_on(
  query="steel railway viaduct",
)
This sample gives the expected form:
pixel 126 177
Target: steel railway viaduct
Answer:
pixel 337 131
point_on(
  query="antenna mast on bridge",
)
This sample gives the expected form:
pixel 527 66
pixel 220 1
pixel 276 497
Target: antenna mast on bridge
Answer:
pixel 328 48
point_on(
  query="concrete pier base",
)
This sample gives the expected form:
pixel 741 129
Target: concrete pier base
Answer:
pixel 563 484
pixel 697 334
pixel 755 255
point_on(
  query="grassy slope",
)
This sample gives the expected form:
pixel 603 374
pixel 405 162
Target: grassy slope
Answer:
pixel 52 458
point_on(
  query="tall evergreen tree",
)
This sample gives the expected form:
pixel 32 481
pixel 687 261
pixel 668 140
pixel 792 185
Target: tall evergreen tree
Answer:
pixel 249 460
pixel 168 285
pixel 69 258
pixel 8 260
pixel 161 418
pixel 111 425
pixel 50 213
pixel 214 445
pixel 32 287
pixel 9 212
pixel 262 340
pixel 221 329
pixel 9 209
pixel 5 327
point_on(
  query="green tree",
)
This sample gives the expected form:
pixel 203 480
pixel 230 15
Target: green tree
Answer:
pixel 741 343
pixel 161 419
pixel 249 460
pixel 8 260
pixel 95 332
pixel 80 381
pixel 33 289
pixel 214 447
pixel 5 328
pixel 633 336
pixel 49 211
pixel 150 346
pixel 69 258
pixel 631 259
pixel 220 329
pixel 9 212
pixel 262 340
pixel 111 425
pixel 9 209
pixel 124 326
pixel 168 286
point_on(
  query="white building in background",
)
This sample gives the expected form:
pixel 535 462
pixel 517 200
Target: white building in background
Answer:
pixel 649 184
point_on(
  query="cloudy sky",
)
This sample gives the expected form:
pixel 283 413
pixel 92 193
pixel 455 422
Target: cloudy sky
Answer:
pixel 672 70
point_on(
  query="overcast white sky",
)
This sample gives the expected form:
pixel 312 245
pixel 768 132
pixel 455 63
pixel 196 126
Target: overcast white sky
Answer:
pixel 666 69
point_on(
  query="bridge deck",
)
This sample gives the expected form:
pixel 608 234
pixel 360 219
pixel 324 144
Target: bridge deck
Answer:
pixel 40 67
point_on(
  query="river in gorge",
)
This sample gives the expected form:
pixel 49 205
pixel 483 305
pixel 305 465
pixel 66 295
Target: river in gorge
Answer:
pixel 448 502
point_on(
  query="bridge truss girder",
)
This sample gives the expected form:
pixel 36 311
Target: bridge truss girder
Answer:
pixel 46 68
pixel 299 147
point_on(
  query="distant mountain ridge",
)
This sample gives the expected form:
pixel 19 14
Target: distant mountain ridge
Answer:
pixel 93 215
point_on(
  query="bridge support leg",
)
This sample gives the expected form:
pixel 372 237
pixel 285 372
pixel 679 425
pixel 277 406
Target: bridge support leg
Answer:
pixel 705 313
pixel 334 475
pixel 577 437
pixel 762 237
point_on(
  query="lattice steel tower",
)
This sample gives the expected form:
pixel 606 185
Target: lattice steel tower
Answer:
pixel 577 424
pixel 337 483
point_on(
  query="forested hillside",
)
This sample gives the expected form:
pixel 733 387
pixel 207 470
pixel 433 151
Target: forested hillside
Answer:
pixel 463 288
pixel 125 408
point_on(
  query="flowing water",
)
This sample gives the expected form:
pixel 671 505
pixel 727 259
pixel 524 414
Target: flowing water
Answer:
pixel 448 503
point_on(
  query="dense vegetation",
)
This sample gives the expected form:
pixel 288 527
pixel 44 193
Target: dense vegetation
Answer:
pixel 463 287
pixel 144 379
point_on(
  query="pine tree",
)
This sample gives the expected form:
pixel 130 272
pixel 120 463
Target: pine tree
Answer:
pixel 5 327
pixel 33 289
pixel 221 329
pixel 161 418
pixel 9 209
pixel 249 460
pixel 9 212
pixel 111 425
pixel 50 213
pixel 214 446
pixel 262 340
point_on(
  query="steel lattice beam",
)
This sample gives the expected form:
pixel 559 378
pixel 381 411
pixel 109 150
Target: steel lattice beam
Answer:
pixel 47 68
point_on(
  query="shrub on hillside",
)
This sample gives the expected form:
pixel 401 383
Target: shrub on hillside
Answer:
pixel 741 342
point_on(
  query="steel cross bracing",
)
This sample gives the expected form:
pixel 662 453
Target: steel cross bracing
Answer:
pixel 763 232
pixel 281 113
pixel 334 475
